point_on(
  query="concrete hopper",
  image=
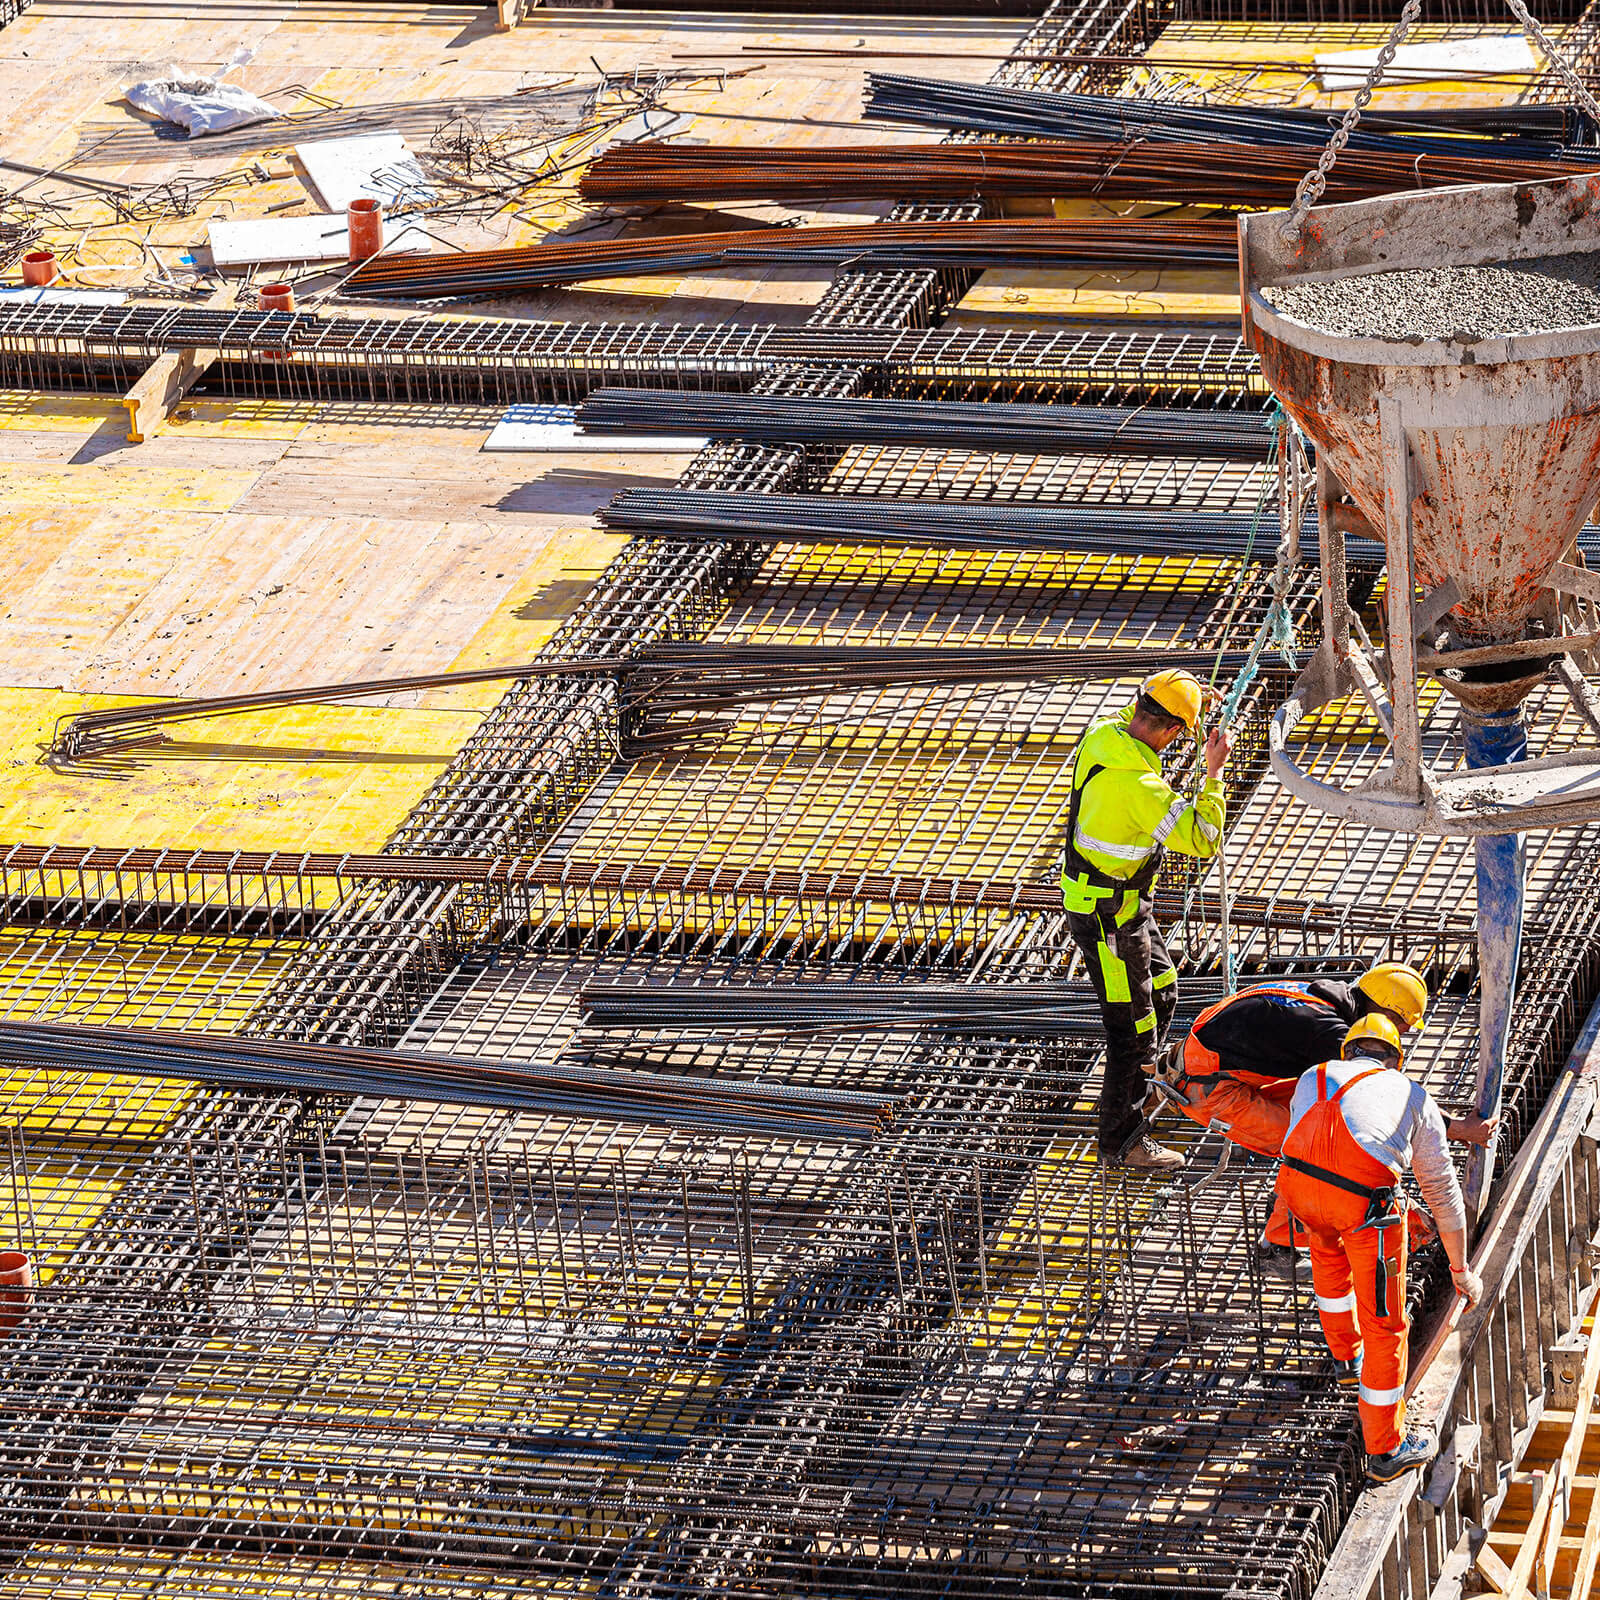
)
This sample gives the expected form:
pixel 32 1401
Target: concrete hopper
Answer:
pixel 1476 461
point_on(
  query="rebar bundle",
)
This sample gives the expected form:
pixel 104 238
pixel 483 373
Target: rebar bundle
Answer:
pixel 1221 174
pixel 1053 430
pixel 1004 1011
pixel 702 679
pixel 1534 133
pixel 895 246
pixel 835 519
pixel 667 677
pixel 610 1094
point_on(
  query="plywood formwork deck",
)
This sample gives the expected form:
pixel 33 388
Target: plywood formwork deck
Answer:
pixel 443 1334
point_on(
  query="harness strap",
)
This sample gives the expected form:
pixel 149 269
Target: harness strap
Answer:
pixel 1078 865
pixel 1337 1179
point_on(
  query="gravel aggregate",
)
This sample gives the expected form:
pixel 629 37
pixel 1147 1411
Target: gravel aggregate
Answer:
pixel 1463 303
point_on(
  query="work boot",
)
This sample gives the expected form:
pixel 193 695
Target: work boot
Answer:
pixel 1417 1449
pixel 1348 1373
pixel 1276 1261
pixel 1145 1155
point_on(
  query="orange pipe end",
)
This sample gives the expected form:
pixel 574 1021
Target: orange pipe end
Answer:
pixel 275 297
pixel 16 1287
pixel 365 220
pixel 39 268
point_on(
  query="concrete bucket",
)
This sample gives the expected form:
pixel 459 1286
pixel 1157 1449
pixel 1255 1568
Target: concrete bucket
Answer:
pixel 1473 455
pixel 1456 419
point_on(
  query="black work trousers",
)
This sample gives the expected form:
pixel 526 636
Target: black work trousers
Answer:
pixel 1137 987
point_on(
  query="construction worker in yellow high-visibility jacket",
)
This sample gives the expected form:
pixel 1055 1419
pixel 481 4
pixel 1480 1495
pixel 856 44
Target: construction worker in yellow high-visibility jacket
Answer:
pixel 1124 815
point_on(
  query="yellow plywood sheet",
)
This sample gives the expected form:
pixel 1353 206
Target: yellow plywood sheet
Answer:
pixel 543 597
pixel 309 777
pixel 1196 53
pixel 130 488
pixel 26 411
pixel 1011 295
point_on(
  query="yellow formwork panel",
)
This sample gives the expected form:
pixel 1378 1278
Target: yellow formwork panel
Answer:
pixel 25 411
pixel 124 487
pixel 118 1572
pixel 51 1203
pixel 1059 1220
pixel 542 598
pixel 322 777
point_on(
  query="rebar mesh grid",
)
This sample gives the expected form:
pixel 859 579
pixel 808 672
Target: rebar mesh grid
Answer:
pixel 490 362
pixel 371 1347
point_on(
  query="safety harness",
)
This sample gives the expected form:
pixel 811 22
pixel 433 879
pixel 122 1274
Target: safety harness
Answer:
pixel 1384 1209
pixel 1083 873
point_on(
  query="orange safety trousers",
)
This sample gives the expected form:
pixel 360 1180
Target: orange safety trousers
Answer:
pixel 1256 1116
pixel 1358 1259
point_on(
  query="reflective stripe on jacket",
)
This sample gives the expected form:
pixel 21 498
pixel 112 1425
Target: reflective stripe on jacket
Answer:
pixel 1125 813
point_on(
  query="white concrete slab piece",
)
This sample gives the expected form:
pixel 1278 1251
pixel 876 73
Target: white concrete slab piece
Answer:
pixel 323 236
pixel 550 429
pixel 62 297
pixel 376 166
pixel 1508 52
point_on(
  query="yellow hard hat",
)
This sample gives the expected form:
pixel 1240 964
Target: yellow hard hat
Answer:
pixel 1397 988
pixel 1178 693
pixel 1377 1028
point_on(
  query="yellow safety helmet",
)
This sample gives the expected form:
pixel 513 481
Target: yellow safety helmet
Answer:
pixel 1377 1028
pixel 1178 693
pixel 1398 988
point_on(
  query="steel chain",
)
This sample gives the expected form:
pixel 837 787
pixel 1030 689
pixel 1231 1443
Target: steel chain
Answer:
pixel 1315 181
pixel 1546 47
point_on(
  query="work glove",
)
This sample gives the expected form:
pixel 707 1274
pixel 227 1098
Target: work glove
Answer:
pixel 1468 1285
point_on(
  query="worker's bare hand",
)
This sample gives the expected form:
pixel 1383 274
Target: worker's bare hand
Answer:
pixel 1473 1130
pixel 1218 744
pixel 1468 1285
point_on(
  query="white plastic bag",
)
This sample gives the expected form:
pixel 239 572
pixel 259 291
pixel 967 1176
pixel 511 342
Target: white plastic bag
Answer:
pixel 202 105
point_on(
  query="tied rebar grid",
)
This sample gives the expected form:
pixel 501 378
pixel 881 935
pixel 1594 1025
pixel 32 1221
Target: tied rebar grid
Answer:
pixel 498 362
pixel 689 1364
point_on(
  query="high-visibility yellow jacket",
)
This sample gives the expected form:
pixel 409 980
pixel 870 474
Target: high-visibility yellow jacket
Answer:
pixel 1124 815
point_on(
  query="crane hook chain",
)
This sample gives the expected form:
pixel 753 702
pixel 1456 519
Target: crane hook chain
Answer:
pixel 1564 69
pixel 1316 180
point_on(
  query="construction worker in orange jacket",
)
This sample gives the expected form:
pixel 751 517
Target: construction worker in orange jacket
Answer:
pixel 1354 1124
pixel 1244 1055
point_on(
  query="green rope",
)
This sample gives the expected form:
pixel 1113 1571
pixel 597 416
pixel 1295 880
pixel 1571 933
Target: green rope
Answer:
pixel 1276 631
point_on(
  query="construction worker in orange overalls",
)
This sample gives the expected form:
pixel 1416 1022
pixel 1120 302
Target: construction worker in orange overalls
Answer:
pixel 1244 1055
pixel 1354 1125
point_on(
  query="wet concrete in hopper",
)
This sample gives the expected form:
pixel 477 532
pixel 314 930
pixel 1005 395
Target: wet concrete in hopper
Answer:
pixel 1462 303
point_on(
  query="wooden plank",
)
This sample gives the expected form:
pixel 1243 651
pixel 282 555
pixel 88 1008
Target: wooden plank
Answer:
pixel 165 382
pixel 1536 1557
pixel 1494 1570
pixel 510 13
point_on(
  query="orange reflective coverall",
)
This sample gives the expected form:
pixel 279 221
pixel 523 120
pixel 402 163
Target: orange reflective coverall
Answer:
pixel 1354 1223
